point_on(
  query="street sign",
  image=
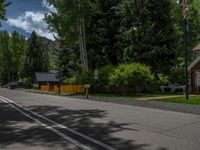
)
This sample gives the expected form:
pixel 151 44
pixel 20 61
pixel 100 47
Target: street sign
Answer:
pixel 96 74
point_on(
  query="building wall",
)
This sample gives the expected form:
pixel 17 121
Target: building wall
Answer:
pixel 193 77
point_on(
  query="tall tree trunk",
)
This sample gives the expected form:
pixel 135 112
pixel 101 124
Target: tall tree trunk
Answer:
pixel 80 44
pixel 84 45
pixel 82 39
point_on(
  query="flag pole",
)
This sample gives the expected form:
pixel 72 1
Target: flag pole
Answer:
pixel 185 21
pixel 186 58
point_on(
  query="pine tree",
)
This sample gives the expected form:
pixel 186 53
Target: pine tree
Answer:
pixel 149 34
pixel 6 58
pixel 17 47
pixel 3 5
pixel 36 58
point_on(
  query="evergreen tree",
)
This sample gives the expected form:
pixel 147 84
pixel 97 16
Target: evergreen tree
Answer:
pixel 17 47
pixel 68 63
pixel 5 57
pixel 11 54
pixel 36 58
pixel 101 30
pixel 149 34
pixel 103 41
pixel 3 5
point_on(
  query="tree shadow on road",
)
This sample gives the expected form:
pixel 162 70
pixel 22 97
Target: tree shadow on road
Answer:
pixel 16 128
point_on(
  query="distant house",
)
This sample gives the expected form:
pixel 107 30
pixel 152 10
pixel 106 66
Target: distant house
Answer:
pixel 46 78
pixel 194 71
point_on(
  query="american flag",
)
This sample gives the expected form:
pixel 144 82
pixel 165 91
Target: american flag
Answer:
pixel 184 10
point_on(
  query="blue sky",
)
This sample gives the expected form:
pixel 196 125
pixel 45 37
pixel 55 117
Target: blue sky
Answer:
pixel 25 16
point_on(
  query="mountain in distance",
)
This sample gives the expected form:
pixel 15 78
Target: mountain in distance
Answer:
pixel 52 47
pixel 49 44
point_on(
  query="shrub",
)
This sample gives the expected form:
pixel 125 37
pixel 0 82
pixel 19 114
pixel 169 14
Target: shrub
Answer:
pixel 177 75
pixel 71 80
pixel 131 75
pixel 162 79
pixel 86 78
pixel 35 86
pixel 25 80
pixel 103 77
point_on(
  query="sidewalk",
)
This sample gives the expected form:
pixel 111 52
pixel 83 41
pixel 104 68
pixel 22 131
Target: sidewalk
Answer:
pixel 159 97
pixel 148 103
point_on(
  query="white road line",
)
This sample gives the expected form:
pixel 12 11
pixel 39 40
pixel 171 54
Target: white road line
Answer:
pixel 3 100
pixel 62 126
pixel 69 139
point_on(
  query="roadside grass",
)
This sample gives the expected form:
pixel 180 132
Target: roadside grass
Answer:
pixel 130 96
pixel 194 100
pixel 135 95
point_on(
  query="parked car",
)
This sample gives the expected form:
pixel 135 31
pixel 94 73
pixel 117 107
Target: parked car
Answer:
pixel 173 88
pixel 14 85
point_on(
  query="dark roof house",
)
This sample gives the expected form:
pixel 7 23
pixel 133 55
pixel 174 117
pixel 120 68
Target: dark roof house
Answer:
pixel 197 48
pixel 45 77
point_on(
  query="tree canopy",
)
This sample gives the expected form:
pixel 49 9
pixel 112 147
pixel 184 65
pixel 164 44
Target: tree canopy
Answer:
pixel 3 5
pixel 93 34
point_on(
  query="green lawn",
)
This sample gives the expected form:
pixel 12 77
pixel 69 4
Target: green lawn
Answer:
pixel 139 95
pixel 195 100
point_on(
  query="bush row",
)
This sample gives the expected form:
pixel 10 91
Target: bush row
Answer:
pixel 135 77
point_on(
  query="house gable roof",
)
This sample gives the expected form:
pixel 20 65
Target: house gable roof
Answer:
pixel 46 77
pixel 197 48
pixel 194 63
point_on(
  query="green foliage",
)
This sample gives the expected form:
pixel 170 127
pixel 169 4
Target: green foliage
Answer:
pixel 162 79
pixel 148 33
pixel 3 5
pixel 103 77
pixel 64 22
pixel 177 75
pixel 103 34
pixel 68 63
pixel 118 31
pixel 86 78
pixel 131 75
pixel 25 80
pixel 194 100
pixel 71 81
pixel 69 23
pixel 193 26
pixel 11 55
pixel 35 86
pixel 101 29
pixel 36 57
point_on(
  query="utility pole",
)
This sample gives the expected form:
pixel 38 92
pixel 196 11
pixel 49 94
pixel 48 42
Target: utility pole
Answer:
pixel 186 57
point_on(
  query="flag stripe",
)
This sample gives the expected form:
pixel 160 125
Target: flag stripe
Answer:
pixel 184 9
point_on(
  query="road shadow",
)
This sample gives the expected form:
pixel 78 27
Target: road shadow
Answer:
pixel 16 128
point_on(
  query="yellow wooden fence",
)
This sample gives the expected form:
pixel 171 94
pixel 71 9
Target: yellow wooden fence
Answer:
pixel 65 88
pixel 44 88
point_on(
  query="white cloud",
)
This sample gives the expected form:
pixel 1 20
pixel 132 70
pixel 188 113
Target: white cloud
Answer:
pixel 30 21
pixel 46 5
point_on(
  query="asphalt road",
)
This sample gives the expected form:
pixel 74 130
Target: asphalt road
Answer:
pixel 31 121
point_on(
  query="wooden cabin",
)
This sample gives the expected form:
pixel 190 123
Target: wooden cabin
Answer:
pixel 46 78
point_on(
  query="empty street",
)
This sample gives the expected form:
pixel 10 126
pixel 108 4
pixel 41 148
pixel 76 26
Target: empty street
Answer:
pixel 44 122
